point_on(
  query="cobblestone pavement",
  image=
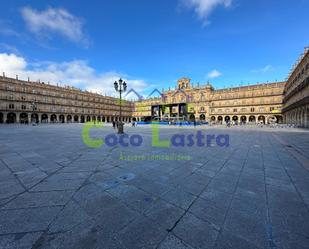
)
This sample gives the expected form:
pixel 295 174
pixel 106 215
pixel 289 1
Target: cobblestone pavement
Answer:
pixel 55 192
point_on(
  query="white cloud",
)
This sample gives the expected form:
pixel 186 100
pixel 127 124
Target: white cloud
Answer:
pixel 214 74
pixel 73 73
pixel 203 8
pixel 265 69
pixel 53 20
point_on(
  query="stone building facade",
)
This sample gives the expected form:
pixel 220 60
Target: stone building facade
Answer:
pixel 26 101
pixel 260 103
pixel 296 93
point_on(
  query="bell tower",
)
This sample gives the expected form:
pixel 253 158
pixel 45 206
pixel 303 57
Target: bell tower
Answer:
pixel 184 83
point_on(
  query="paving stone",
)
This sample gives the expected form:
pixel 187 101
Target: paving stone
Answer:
pixel 142 233
pixel 54 184
pixel 227 240
pixel 39 199
pixel 88 198
pixel 19 240
pixel 164 214
pixel 134 197
pixel 179 198
pixel 26 220
pixel 196 232
pixel 70 216
pixel 171 242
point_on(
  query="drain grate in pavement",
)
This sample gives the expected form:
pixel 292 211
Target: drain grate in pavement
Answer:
pixel 126 177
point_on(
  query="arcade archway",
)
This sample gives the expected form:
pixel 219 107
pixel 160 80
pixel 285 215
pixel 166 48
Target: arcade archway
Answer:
pixel 53 118
pixel 44 118
pixel 243 119
pixel 252 119
pixel 23 118
pixel 227 119
pixel 11 118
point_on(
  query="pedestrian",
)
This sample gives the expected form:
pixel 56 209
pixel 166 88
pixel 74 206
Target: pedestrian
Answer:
pixel 114 124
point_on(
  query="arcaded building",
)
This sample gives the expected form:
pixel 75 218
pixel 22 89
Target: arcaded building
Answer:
pixel 261 103
pixel 27 101
pixel 296 93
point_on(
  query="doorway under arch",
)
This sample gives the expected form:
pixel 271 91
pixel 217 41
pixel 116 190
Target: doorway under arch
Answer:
pixel 252 119
pixel 261 119
pixel 243 119
pixel 11 118
pixel 53 118
pixel 61 118
pixel 192 117
pixel 23 118
pixel 44 118
pixel 227 119
pixel 235 119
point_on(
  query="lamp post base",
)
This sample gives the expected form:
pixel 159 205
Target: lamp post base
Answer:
pixel 120 128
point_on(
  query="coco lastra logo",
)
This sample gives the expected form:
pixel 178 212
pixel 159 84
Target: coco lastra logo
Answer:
pixel 198 138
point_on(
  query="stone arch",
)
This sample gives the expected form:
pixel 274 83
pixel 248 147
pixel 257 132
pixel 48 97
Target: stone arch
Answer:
pixel 82 119
pixel 261 119
pixel 61 118
pixel 1 118
pixel 44 118
pixel 23 118
pixel 235 119
pixel 202 117
pixel 34 118
pixel 227 119
pixel 76 119
pixel 192 117
pixel 271 119
pixel 243 119
pixel 88 119
pixel 220 119
pixel 53 118
pixel 69 119
pixel 11 118
pixel 213 118
pixel 252 119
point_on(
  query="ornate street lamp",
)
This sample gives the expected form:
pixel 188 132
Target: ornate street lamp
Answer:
pixel 34 106
pixel 120 86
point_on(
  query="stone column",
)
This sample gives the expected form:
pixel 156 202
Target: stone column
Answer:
pixel 17 118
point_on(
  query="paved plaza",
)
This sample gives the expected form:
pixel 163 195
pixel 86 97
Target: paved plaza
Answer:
pixel 56 192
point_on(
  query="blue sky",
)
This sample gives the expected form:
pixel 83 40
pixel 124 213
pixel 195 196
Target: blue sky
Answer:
pixel 89 44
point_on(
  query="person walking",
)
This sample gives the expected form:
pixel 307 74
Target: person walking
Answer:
pixel 114 124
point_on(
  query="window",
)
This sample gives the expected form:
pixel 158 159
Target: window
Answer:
pixel 252 109
pixel 235 110
pixel 11 106
pixel 23 107
pixel 271 108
